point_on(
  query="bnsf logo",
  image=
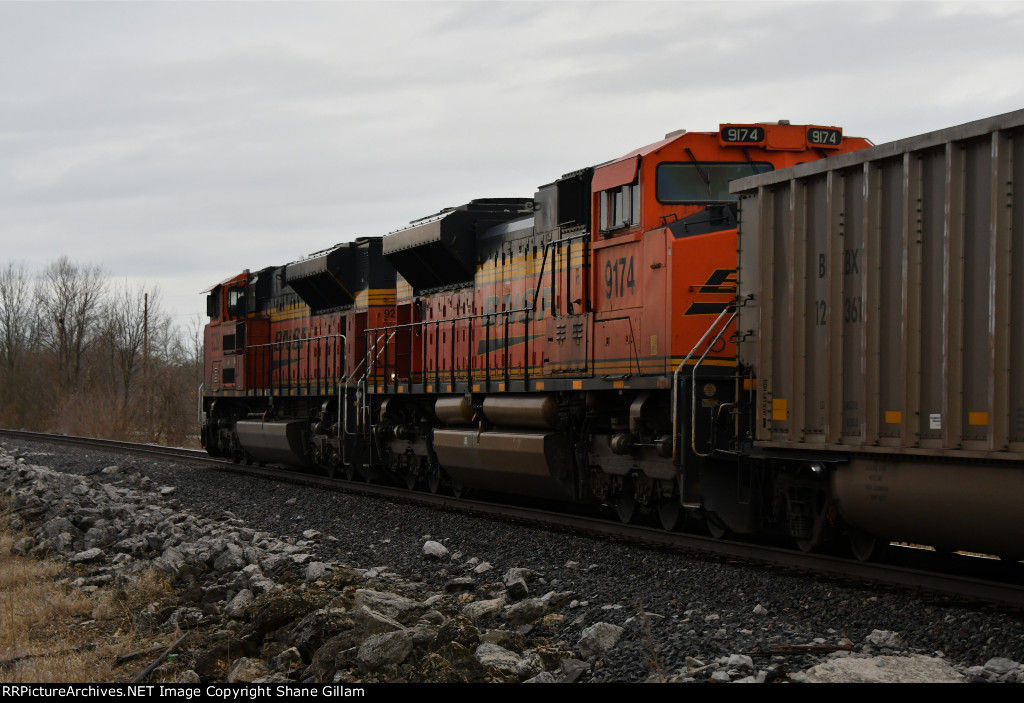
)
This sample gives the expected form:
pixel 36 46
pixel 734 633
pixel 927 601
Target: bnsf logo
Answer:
pixel 721 282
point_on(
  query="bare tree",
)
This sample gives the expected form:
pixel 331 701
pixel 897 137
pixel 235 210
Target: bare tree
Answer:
pixel 128 316
pixel 18 326
pixel 69 297
pixel 77 355
pixel 16 314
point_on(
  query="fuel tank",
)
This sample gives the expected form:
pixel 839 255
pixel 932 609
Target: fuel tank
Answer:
pixel 522 410
pixel 280 442
pixel 454 410
pixel 524 463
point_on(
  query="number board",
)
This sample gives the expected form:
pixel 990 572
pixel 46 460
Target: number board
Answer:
pixel 825 137
pixel 742 134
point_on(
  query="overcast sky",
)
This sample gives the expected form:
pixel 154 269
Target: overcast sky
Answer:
pixel 179 143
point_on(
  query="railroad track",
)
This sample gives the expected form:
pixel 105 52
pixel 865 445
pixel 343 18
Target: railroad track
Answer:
pixel 977 579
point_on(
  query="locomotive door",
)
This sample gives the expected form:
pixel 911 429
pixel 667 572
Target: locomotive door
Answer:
pixel 251 340
pixel 406 343
pixel 619 300
pixel 570 343
pixel 569 326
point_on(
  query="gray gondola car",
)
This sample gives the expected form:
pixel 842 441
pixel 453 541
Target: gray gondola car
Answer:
pixel 881 318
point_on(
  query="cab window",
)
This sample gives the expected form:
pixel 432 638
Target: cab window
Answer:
pixel 236 302
pixel 702 182
pixel 620 207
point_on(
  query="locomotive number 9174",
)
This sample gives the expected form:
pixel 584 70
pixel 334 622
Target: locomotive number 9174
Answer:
pixel 743 135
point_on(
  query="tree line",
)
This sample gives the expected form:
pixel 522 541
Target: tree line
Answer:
pixel 84 355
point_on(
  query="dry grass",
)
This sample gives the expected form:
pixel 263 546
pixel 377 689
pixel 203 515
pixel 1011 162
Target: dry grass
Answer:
pixel 51 632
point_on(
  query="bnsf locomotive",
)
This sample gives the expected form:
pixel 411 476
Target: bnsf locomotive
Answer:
pixel 603 342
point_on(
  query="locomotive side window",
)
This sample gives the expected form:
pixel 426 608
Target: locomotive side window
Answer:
pixel 620 207
pixel 213 304
pixel 699 182
pixel 236 301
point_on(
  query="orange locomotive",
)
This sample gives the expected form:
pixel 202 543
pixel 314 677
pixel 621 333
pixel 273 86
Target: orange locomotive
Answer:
pixel 578 345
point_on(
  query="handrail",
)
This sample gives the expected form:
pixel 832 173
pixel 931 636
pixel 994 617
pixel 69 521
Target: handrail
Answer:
pixel 693 387
pixel 364 379
pixel 345 387
pixel 290 343
pixel 199 417
pixel 675 381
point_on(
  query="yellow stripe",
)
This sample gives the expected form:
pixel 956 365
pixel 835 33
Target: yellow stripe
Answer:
pixel 375 296
pixel 527 266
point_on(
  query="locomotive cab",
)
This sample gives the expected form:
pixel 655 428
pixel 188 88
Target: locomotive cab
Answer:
pixel 663 281
pixel 224 337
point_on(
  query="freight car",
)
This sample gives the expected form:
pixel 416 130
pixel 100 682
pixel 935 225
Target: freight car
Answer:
pixel 582 345
pixel 887 358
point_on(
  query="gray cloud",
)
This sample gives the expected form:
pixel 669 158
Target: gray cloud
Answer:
pixel 182 142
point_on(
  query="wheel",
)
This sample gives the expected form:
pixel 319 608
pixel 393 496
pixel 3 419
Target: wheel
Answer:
pixel 625 507
pixel 804 545
pixel 458 490
pixel 434 482
pixel 866 547
pixel 716 528
pixel 669 512
pixel 349 472
pixel 410 480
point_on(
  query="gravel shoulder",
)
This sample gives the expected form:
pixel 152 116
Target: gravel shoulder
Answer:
pixel 613 612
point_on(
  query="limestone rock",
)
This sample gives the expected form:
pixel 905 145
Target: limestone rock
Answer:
pixel 435 550
pixel 246 670
pixel 884 638
pixel 239 603
pixel 500 658
pixel 459 630
pixel 599 638
pixel 887 669
pixel 384 649
pixel 316 628
pixel 481 609
pixel 370 622
pixel 390 604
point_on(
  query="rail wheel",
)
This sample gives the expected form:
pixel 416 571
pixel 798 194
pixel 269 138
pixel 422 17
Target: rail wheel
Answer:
pixel 410 480
pixel 625 501
pixel 866 547
pixel 349 472
pixel 804 545
pixel 434 481
pixel 716 528
pixel 669 513
pixel 458 490
pixel 625 508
